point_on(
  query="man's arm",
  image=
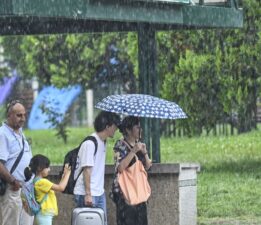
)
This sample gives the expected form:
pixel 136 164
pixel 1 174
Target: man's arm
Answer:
pixel 87 170
pixel 5 174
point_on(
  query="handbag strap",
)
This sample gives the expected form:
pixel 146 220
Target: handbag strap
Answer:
pixel 18 158
pixel 130 147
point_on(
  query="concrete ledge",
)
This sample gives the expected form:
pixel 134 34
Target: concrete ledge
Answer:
pixel 157 168
pixel 173 199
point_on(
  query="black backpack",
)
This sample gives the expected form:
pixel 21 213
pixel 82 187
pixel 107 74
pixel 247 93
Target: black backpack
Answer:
pixel 71 158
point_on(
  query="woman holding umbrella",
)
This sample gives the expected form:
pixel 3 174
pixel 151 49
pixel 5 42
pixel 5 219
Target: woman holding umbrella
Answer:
pixel 126 152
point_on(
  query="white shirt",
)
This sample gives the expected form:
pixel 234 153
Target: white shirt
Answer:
pixel 11 145
pixel 86 158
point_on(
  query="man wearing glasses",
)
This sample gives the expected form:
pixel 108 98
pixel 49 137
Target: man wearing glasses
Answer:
pixel 15 155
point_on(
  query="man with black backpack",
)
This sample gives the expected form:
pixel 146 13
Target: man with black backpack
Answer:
pixel 89 187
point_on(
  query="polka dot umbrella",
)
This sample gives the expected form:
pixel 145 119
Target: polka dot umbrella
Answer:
pixel 141 105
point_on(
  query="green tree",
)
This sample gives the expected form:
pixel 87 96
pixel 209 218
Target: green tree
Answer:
pixel 242 63
pixel 60 59
pixel 196 91
pixel 224 71
pixel 236 60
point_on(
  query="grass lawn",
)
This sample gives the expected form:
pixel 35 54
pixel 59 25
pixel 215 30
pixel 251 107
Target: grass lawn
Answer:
pixel 229 184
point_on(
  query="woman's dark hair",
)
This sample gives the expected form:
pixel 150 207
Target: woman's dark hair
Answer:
pixel 128 123
pixel 105 119
pixel 37 164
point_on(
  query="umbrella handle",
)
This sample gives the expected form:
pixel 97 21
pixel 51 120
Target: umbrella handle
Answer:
pixel 140 135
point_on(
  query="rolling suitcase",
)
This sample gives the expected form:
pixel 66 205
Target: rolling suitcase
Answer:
pixel 88 216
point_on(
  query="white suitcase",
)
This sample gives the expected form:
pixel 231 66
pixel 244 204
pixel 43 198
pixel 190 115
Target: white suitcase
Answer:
pixel 88 216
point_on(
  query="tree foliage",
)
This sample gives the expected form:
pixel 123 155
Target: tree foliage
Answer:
pixel 213 74
pixel 229 82
pixel 58 121
pixel 60 59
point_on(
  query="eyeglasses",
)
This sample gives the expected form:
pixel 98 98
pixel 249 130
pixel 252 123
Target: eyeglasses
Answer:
pixel 12 103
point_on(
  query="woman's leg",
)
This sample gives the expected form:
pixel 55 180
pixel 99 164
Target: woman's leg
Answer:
pixel 126 214
pixel 142 214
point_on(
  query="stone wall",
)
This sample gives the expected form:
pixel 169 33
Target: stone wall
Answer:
pixel 173 199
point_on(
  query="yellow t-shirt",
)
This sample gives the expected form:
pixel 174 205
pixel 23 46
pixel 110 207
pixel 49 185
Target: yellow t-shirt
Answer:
pixel 49 205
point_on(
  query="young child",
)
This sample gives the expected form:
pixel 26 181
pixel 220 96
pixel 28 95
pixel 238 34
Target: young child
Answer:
pixel 44 189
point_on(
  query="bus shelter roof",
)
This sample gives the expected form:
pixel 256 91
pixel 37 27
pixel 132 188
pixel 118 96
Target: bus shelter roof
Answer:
pixel 21 17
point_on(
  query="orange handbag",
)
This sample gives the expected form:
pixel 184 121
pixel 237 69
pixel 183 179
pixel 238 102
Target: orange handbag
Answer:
pixel 134 183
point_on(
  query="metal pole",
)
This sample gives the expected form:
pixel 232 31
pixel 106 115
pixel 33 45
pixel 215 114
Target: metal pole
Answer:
pixel 144 84
pixel 148 84
pixel 155 123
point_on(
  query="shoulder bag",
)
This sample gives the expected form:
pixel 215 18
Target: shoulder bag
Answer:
pixel 134 183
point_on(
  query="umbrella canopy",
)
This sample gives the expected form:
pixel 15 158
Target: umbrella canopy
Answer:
pixel 141 105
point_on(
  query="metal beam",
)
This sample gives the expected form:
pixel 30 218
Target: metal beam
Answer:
pixel 48 16
pixel 199 16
